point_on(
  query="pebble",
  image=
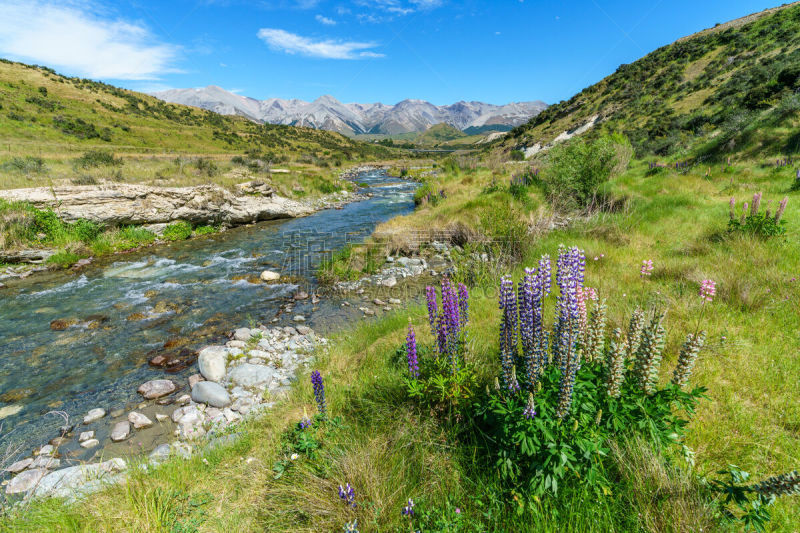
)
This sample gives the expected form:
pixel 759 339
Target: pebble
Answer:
pixel 391 281
pixel 268 275
pixel 242 334
pixel 47 449
pixel 59 441
pixel 302 295
pixel 183 399
pixel 156 388
pixel 303 330
pixel 45 461
pixel 116 413
pixel 19 466
pixel 85 435
pixel 161 417
pixel 394 301
pixel 161 452
pixel 90 443
pixel 299 318
pixel 379 302
pixel 138 420
pixel 121 431
pixel 194 379
pixel 94 415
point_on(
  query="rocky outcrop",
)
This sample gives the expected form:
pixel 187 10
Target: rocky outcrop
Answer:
pixel 117 204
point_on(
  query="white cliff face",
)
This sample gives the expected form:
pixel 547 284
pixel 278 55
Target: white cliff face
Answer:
pixel 328 113
pixel 140 204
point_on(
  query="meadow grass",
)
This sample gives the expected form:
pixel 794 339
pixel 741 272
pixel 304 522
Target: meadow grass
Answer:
pixel 390 450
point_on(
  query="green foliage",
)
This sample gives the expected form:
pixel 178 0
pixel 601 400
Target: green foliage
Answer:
pixel 507 230
pixel 86 230
pixel 540 454
pixel 759 225
pixel 98 158
pixel 63 259
pixel 339 267
pixel 440 387
pixel 205 230
pixel 177 231
pixel 577 171
pixel 206 167
pixel 517 155
pixel 26 165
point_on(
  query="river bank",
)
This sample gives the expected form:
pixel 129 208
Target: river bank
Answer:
pixel 126 320
pixel 144 213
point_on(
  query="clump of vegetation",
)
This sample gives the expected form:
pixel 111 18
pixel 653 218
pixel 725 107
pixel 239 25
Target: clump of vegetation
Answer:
pixel 98 158
pixel 578 170
pixel 753 222
pixel 206 167
pixel 26 165
pixel 177 231
pixel 206 230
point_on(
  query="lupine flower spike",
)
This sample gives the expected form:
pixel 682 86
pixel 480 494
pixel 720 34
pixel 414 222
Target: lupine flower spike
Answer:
pixel 411 351
pixel 530 408
pixel 348 495
pixel 408 510
pixel 688 356
pixel 319 392
pixel 508 329
pixel 782 485
pixel 648 357
pixel 615 365
pixel 647 268
pixel 305 422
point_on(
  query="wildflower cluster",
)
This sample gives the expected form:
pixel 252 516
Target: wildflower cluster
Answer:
pixel 753 221
pixel 448 324
pixel 573 372
pixel 411 352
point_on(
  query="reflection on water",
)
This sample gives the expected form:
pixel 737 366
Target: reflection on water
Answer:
pixel 118 312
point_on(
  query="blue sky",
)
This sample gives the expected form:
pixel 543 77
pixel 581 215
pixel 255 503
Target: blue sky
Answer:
pixel 356 50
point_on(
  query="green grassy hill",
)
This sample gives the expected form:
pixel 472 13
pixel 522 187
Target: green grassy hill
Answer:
pixel 730 89
pixel 44 112
pixel 438 134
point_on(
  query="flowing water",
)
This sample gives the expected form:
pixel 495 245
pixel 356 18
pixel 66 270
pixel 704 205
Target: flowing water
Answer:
pixel 174 299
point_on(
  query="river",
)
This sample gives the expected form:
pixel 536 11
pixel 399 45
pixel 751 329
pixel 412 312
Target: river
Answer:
pixel 167 299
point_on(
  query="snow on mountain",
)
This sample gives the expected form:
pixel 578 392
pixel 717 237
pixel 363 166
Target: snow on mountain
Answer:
pixel 326 112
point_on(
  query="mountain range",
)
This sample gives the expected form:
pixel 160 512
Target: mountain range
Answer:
pixel 327 113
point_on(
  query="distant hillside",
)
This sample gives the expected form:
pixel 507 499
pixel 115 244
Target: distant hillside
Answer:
pixel 327 113
pixel 40 109
pixel 730 88
pixel 438 134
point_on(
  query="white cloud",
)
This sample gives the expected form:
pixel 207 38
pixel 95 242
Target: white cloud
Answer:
pixel 325 20
pixel 67 35
pixel 292 43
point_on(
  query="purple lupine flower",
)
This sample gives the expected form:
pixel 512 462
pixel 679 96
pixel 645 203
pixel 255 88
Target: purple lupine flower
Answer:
pixel 570 277
pixel 319 392
pixel 411 352
pixel 463 303
pixel 450 320
pixel 348 495
pixel 508 328
pixel 305 422
pixel 433 311
pixel 530 408
pixel 408 510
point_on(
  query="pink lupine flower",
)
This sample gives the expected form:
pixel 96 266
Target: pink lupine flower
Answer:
pixel 708 289
pixel 647 268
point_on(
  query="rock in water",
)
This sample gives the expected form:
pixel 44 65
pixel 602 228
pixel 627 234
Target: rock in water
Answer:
pixel 19 466
pixel 299 318
pixel 25 481
pixel 156 388
pixel 90 443
pixel 121 431
pixel 211 361
pixel 268 275
pixel 80 480
pixel 138 420
pixel 211 393
pixel 85 435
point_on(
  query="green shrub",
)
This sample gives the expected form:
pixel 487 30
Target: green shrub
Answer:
pixel 206 167
pixel 84 179
pixel 27 164
pixel 507 229
pixel 578 170
pixel 177 231
pixel 97 158
pixel 517 155
pixel 48 223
